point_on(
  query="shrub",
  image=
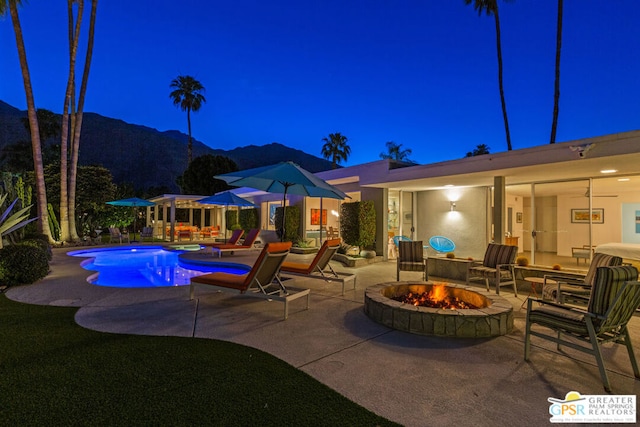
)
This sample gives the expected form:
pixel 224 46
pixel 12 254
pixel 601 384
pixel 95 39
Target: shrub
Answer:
pixel 556 267
pixel 358 223
pixel 22 264
pixel 231 220
pixel 522 261
pixel 450 255
pixel 39 243
pixel 249 218
pixel 292 223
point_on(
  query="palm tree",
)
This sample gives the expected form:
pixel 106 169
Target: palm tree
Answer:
pixel 188 95
pixel 76 121
pixel 395 152
pixel 556 92
pixel 491 8
pixel 74 35
pixel 335 148
pixel 41 194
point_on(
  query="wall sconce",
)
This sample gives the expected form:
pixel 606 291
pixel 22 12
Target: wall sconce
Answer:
pixel 453 206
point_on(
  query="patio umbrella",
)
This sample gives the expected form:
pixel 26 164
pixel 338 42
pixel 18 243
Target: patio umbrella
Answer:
pixel 226 199
pixel 133 202
pixel 285 178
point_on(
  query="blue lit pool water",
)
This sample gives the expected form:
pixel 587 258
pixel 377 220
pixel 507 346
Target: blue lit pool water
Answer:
pixel 146 267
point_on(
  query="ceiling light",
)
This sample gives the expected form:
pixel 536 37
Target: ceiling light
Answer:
pixel 609 171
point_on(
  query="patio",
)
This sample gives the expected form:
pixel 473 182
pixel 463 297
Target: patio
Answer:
pixel 411 379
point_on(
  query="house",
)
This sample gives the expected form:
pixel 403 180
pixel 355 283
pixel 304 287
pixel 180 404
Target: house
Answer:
pixel 539 197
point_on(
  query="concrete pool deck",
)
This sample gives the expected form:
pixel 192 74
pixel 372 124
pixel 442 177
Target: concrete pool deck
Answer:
pixel 411 379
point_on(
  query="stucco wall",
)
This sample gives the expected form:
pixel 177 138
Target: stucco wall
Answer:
pixel 466 226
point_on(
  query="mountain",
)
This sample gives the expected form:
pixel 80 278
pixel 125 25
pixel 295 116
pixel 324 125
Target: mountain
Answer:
pixel 147 157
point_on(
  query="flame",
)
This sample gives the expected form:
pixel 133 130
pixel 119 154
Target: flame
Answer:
pixel 438 293
pixel 437 297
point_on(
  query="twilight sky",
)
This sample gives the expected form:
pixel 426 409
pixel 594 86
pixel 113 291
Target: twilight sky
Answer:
pixel 422 73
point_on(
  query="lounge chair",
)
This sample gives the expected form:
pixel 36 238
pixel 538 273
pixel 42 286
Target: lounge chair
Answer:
pixel 262 281
pixel 233 240
pixel 614 299
pixel 497 265
pixel 247 244
pixel 576 289
pixel 117 236
pixel 317 268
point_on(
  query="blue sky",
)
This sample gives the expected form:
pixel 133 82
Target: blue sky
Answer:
pixel 418 72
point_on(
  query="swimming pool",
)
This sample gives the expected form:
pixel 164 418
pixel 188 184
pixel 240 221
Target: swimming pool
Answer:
pixel 146 267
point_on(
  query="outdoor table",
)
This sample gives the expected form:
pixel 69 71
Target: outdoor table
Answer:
pixel 533 281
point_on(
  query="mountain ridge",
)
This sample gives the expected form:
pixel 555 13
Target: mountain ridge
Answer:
pixel 147 157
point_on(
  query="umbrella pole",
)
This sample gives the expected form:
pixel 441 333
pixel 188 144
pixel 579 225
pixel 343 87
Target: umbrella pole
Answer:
pixel 224 222
pixel 135 217
pixel 284 213
pixel 321 220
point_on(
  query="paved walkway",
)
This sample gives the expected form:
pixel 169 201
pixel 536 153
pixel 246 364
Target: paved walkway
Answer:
pixel 411 379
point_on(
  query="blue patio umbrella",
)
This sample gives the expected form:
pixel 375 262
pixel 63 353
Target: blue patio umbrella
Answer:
pixel 226 199
pixel 285 178
pixel 133 202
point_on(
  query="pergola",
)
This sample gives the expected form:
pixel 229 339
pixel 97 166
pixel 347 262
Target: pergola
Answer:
pixel 169 203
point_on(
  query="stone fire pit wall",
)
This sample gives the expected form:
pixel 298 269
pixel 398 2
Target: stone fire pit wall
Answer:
pixel 495 319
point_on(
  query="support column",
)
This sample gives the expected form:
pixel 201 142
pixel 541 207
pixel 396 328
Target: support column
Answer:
pixel 172 218
pixel 499 208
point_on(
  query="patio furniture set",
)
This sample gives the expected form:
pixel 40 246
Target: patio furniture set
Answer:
pixel 609 290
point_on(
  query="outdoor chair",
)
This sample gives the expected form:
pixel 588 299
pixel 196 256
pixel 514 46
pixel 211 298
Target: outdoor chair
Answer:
pixel 117 236
pixel 233 240
pixel 497 266
pixel 247 244
pixel 583 252
pixel 411 258
pixel 576 289
pixel 615 296
pixel 442 244
pixel 262 281
pixel 332 233
pixel 146 233
pixel 318 266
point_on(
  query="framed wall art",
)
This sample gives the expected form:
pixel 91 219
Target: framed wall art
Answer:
pixel 315 217
pixel 581 216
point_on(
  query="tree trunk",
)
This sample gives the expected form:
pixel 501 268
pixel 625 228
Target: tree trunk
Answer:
pixel 73 174
pixel 556 92
pixel 41 194
pixel 500 82
pixel 189 144
pixel 74 35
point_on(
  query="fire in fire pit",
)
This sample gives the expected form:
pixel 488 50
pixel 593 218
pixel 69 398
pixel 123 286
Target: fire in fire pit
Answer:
pixel 436 297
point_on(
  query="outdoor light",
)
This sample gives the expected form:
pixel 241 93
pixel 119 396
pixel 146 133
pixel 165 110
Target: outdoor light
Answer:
pixel 453 206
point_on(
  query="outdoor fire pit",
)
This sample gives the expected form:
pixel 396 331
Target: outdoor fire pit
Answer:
pixel 443 309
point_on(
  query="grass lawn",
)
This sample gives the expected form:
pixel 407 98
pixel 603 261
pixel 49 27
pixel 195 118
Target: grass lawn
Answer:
pixel 53 372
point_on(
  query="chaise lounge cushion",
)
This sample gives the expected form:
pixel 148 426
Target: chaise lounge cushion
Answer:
pixel 321 259
pixel 234 281
pixel 242 282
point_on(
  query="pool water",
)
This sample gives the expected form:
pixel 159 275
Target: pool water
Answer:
pixel 146 267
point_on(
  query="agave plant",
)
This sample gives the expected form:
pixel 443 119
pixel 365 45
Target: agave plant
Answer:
pixel 19 219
